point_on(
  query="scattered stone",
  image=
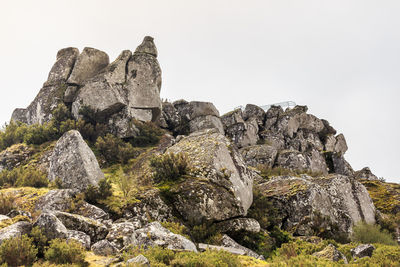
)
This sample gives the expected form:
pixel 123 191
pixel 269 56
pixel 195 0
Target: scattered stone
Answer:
pixel 140 259
pixel 361 251
pixel 74 163
pixel 331 253
pixel 154 234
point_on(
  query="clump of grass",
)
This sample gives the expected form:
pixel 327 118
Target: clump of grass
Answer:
pixel 370 233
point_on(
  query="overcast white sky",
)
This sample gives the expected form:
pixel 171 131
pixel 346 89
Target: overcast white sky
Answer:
pixel 340 58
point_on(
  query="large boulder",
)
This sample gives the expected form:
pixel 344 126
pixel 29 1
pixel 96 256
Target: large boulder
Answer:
pixel 104 248
pixel 51 226
pixel 244 134
pixel 222 188
pixel 120 232
pixel 254 111
pixel 15 230
pixel 306 205
pixel 311 161
pixel 226 241
pixel 361 251
pixel 74 163
pixel 154 234
pixel 89 63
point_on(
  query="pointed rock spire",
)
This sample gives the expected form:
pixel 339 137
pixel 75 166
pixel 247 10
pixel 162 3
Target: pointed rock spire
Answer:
pixel 147 47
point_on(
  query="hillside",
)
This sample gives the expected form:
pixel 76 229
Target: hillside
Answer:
pixel 99 171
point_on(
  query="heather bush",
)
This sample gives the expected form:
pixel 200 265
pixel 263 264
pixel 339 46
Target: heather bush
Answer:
pixel 169 167
pixel 18 251
pixel 63 252
pixel 23 176
pixel 114 150
pixel 6 203
pixel 370 233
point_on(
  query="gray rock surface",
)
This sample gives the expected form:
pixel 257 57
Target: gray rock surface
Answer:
pixel 14 156
pixel 361 251
pixel 104 248
pixel 340 145
pixel 259 154
pixel 80 237
pixel 365 173
pixel 254 111
pixel 119 233
pixel 206 122
pixel 223 187
pixel 154 234
pixel 327 202
pixel 232 118
pixel 243 134
pixel 89 63
pixel 15 230
pixel 226 241
pixel 74 163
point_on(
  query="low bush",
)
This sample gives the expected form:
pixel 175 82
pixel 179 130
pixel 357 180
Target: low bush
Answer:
pixel 23 176
pixel 95 193
pixel 370 233
pixel 149 134
pixel 39 240
pixel 18 251
pixel 126 182
pixel 169 167
pixel 114 150
pixel 61 252
pixel 6 203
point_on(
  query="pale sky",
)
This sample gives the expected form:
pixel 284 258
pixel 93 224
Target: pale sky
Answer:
pixel 340 58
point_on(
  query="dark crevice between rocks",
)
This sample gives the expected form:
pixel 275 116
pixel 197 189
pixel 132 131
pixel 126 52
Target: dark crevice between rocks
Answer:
pixel 126 69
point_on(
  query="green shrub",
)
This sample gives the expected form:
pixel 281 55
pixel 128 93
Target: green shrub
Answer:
pixel 39 240
pixel 169 167
pixel 114 150
pixel 18 251
pixel 149 134
pixel 95 193
pixel 6 203
pixel 23 176
pixel 370 233
pixel 126 183
pixel 61 252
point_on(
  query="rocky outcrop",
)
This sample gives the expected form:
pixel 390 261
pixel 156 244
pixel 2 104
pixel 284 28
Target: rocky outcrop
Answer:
pixel 15 230
pixel 118 93
pixel 51 226
pixel 154 234
pixel 259 155
pixel 120 232
pixel 80 237
pixel 334 203
pixel 222 186
pixel 74 163
pixel 361 251
pixel 238 225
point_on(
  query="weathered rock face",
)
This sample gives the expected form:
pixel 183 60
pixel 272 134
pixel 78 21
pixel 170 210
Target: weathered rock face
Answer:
pixel 243 133
pixel 119 233
pixel 104 248
pixel 74 163
pixel 154 234
pixel 238 225
pixel 223 185
pixel 228 242
pixel 51 226
pixel 15 230
pixel 334 202
pixel 139 260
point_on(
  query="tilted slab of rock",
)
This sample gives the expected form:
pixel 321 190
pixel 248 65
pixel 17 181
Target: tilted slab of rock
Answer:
pixel 61 70
pixel 154 234
pixel 51 226
pixel 119 233
pixel 104 248
pixel 95 229
pixel 364 250
pixel 226 241
pixel 74 163
pixel 224 181
pixel 80 237
pixel 15 230
pixel 90 62
pixel 323 202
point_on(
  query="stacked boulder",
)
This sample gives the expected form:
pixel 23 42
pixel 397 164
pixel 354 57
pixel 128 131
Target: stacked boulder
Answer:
pixel 127 89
